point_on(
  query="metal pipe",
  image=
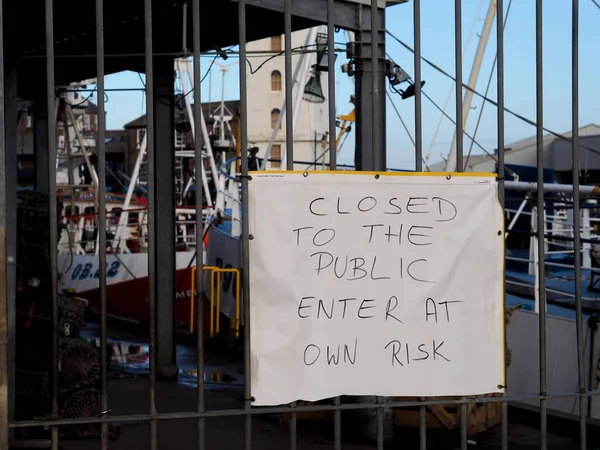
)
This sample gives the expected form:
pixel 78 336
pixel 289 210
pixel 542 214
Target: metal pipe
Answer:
pixel 53 208
pixel 524 186
pixel 540 222
pixel 331 83
pixel 101 189
pixel 289 122
pixel 199 273
pixel 149 62
pixel 577 222
pixel 242 25
pixel 376 139
pixel 4 334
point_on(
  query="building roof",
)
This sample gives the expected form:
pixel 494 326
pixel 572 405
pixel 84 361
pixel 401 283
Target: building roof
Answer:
pixel 590 129
pixel 115 141
pixel 472 161
pixel 519 146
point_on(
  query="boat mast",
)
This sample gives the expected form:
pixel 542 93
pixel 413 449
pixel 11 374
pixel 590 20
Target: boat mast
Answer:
pixel 468 98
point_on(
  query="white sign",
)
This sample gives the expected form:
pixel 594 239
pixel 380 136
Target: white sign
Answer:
pixel 365 284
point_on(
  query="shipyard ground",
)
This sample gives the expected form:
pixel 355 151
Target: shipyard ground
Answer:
pixel 129 395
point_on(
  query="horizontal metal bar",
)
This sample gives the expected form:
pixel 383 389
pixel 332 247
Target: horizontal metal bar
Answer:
pixel 30 443
pixel 299 409
pixel 211 54
pixel 551 291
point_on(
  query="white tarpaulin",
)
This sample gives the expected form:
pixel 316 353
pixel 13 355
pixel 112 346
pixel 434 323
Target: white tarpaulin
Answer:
pixel 384 285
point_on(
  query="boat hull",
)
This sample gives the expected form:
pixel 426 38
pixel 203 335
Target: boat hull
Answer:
pixel 127 284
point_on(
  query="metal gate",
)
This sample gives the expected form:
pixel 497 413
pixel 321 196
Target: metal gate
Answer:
pixel 368 18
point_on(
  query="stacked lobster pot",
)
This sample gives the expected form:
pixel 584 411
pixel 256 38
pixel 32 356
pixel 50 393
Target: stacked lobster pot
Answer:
pixel 79 368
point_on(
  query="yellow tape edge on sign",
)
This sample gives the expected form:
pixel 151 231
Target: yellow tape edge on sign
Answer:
pixel 383 174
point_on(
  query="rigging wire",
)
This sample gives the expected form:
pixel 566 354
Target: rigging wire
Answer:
pixel 300 49
pixel 464 132
pixel 596 3
pixel 487 88
pixel 400 117
pixel 403 123
pixel 437 129
pixel 493 102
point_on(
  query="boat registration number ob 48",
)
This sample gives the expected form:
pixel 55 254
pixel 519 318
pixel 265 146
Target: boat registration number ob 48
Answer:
pixel 375 284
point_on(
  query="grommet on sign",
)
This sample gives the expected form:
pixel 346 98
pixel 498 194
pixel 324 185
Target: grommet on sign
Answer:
pixel 305 174
pixel 448 176
pixel 251 237
pixel 377 176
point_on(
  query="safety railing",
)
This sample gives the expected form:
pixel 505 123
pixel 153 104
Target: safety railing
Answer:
pixel 215 324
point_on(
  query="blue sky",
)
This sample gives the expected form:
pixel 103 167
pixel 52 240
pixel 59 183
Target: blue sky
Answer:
pixel 437 43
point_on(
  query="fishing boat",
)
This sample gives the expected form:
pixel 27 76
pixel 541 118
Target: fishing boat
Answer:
pixel 126 226
pixel 127 259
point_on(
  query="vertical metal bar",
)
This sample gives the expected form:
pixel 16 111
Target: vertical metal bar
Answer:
pixel 337 415
pixel 418 98
pixel 289 142
pixel 4 379
pixel 379 425
pixel 53 206
pixel 501 193
pixel 463 420
pixel 419 162
pixel 184 31
pixel 541 218
pixel 199 273
pixel 377 162
pixel 150 154
pixel 422 426
pixel 376 139
pixel 242 25
pixel 101 148
pixel 337 426
pixel 459 155
pixel 289 117
pixel 459 81
pixel 577 224
pixel 331 89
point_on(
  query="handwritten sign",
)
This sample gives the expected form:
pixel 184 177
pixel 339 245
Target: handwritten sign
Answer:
pixel 364 284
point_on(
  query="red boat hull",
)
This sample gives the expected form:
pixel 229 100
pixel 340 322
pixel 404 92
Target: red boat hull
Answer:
pixel 127 300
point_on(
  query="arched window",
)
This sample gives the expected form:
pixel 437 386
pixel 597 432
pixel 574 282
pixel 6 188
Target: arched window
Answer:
pixel 274 117
pixel 276 80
